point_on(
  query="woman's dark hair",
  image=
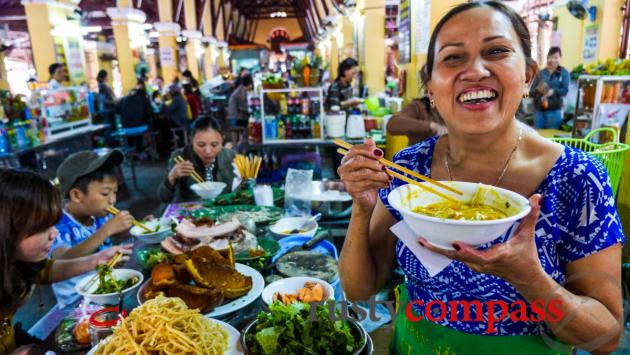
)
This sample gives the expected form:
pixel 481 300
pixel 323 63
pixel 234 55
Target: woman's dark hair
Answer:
pixel 30 205
pixel 554 50
pixel 203 123
pixel 187 74
pixel 247 80
pixel 53 68
pixel 188 89
pixel 102 74
pixel 517 22
pixel 346 65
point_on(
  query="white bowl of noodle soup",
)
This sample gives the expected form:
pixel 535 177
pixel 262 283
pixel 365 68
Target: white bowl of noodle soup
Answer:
pixel 443 232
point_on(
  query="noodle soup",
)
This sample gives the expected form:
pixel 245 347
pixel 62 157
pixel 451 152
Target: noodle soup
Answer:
pixel 461 211
pixel 481 214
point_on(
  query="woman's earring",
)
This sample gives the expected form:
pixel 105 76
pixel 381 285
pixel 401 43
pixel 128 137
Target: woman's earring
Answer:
pixel 526 92
pixel 432 103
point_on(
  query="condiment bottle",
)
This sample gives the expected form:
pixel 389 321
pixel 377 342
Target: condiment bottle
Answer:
pixel 102 323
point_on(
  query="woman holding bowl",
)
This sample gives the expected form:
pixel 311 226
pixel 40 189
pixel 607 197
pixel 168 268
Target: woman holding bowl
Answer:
pixel 568 249
pixel 205 155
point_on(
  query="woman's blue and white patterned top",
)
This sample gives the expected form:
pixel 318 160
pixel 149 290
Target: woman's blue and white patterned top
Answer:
pixel 577 218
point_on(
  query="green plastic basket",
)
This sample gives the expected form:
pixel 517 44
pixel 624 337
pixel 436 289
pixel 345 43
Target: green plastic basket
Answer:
pixel 611 154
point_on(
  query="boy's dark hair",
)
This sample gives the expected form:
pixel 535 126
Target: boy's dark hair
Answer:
pixel 107 170
pixel 53 68
pixel 554 50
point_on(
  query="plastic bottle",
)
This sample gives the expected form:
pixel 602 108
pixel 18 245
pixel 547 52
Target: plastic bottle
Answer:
pixel 306 103
pixel 281 130
pixel 5 146
pixel 284 109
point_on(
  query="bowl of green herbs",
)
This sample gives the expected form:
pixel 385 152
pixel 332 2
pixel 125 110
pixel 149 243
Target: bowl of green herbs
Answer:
pixel 109 285
pixel 292 329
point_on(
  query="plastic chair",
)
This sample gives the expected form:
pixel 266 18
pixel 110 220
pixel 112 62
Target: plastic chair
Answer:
pixel 130 151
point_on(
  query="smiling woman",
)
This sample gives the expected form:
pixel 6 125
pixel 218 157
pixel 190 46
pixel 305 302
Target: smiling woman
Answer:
pixel 475 78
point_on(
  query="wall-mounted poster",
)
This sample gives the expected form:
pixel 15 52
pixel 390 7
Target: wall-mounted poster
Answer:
pixel 423 31
pixel 589 50
pixel 75 60
pixel 404 31
pixel 167 57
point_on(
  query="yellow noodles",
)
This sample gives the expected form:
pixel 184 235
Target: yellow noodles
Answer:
pixel 461 211
pixel 166 326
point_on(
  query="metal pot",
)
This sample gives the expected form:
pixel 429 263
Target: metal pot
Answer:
pixel 330 208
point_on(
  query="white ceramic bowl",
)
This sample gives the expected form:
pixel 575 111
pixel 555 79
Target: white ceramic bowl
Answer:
pixel 108 298
pixel 290 223
pixel 154 237
pixel 292 285
pixel 209 189
pixel 444 232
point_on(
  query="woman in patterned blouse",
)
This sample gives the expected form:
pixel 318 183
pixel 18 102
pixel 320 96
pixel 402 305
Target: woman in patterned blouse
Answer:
pixel 566 252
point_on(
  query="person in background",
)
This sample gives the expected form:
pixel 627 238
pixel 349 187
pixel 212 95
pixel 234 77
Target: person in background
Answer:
pixel 135 112
pixel 204 154
pixel 177 110
pixel 156 102
pixel 57 76
pixel 158 84
pixel 190 79
pixel 418 121
pixel 340 91
pixel 106 98
pixel 30 207
pixel 89 184
pixel 193 100
pixel 548 90
pixel 238 108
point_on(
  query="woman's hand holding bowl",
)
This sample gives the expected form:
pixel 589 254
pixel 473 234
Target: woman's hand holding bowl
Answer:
pixel 363 175
pixel 515 261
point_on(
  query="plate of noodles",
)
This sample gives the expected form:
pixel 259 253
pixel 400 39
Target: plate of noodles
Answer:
pixel 167 326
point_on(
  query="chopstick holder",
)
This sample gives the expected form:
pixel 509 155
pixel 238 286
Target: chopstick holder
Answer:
pixel 433 262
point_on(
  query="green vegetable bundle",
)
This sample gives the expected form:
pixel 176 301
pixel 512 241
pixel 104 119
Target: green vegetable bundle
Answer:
pixel 288 329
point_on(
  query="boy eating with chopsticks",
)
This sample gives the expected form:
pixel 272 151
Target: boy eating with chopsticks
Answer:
pixel 89 184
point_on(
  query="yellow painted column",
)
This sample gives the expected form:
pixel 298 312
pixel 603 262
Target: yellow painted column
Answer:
pixel 374 46
pixel 168 31
pixel 610 29
pixel 336 42
pixel 125 22
pixel 209 53
pixel 152 61
pixel 223 58
pixel 194 37
pixel 347 30
pixel 4 81
pixel 168 49
pixel 41 18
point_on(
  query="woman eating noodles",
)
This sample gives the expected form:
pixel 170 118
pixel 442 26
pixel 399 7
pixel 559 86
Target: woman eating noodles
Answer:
pixel 567 251
pixel 29 210
pixel 205 155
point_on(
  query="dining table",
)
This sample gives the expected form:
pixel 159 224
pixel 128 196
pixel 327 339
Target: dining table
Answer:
pixel 47 326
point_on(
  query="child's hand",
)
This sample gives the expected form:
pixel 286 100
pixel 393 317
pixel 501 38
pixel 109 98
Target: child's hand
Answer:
pixel 119 223
pixel 102 257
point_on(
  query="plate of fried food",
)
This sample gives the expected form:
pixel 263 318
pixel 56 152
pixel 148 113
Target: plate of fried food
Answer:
pixel 207 280
pixel 166 325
